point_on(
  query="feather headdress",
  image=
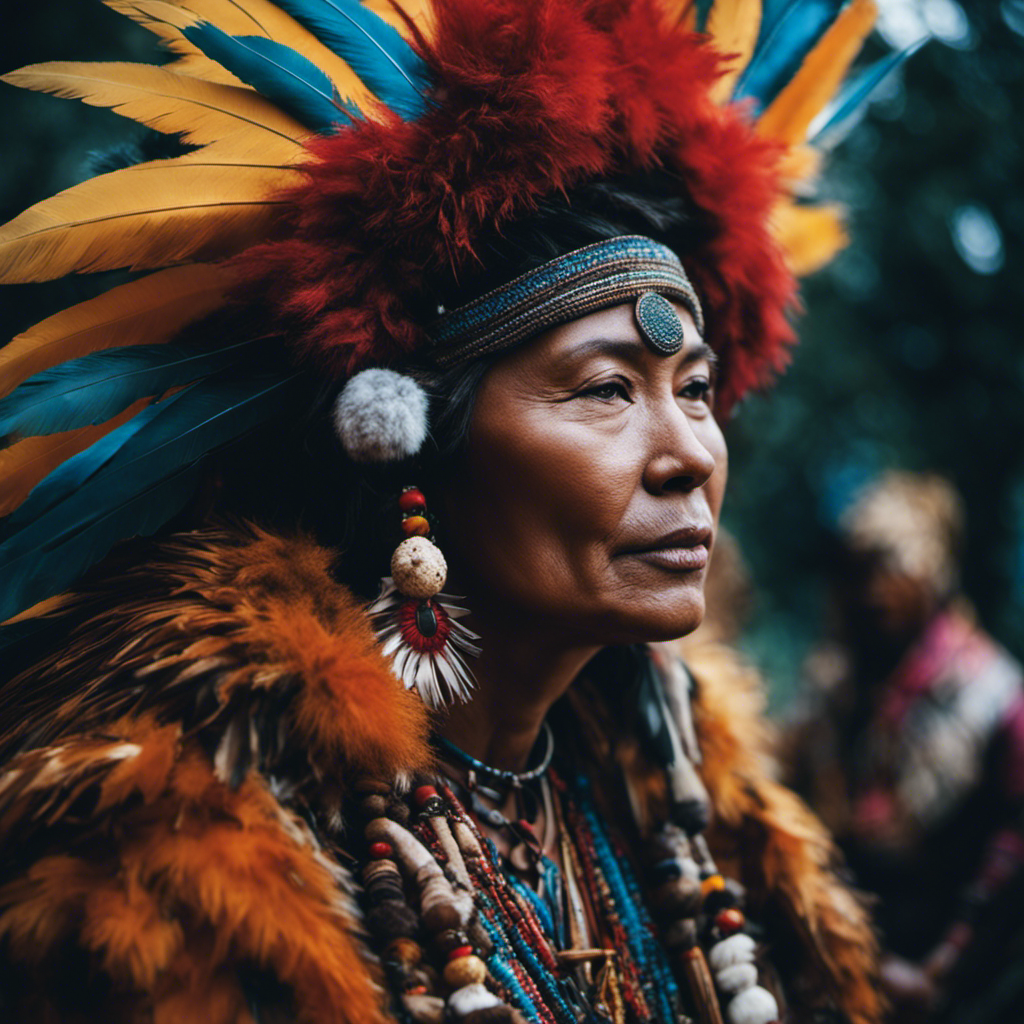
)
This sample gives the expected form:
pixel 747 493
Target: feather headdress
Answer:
pixel 346 151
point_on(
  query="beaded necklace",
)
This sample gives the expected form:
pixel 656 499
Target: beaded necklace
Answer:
pixel 463 938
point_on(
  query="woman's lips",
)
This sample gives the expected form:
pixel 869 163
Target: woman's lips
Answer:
pixel 683 550
pixel 675 559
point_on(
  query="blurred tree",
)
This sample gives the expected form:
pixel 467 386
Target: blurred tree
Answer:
pixel 910 352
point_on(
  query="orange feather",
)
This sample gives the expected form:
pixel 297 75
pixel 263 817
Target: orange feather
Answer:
pixel 820 75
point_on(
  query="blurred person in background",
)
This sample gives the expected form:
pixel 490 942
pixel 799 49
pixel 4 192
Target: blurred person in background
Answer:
pixel 912 750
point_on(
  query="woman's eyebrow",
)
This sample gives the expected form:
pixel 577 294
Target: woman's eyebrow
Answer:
pixel 632 349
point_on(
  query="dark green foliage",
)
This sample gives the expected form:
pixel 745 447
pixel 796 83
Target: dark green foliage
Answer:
pixel 909 357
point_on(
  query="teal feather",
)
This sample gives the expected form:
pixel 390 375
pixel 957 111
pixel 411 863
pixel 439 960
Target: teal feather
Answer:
pixel 95 388
pixel 376 52
pixel 277 72
pixel 129 483
pixel 834 121
pixel 789 31
pixel 703 13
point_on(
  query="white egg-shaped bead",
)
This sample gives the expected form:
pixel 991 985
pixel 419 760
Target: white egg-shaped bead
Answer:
pixel 737 949
pixel 754 1005
pixel 469 998
pixel 732 980
pixel 418 568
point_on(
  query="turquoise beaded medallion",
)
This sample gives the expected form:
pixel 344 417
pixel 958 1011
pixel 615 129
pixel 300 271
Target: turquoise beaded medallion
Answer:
pixel 659 323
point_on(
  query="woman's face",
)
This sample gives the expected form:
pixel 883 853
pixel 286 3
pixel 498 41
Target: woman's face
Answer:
pixel 592 485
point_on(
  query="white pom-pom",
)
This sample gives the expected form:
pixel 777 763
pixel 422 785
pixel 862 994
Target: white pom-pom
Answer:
pixel 466 1000
pixel 736 978
pixel 753 1006
pixel 737 949
pixel 381 416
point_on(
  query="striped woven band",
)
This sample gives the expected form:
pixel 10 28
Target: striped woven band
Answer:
pixel 563 289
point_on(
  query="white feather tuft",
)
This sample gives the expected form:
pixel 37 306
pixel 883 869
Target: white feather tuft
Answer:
pixel 381 416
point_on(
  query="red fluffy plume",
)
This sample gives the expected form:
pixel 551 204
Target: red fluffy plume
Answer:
pixel 532 98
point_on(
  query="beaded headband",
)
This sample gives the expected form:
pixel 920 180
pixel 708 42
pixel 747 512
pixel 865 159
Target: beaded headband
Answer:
pixel 563 289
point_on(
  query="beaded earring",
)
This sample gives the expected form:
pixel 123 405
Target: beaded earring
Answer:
pixel 418 625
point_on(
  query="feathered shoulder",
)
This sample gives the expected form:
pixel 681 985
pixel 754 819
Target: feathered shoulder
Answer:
pixel 146 868
pixel 766 835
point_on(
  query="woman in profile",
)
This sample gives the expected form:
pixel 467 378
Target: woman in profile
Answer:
pixel 425 414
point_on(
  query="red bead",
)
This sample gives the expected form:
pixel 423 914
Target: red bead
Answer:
pixel 460 951
pixel 380 850
pixel 412 500
pixel 417 990
pixel 730 920
pixel 415 526
pixel 422 794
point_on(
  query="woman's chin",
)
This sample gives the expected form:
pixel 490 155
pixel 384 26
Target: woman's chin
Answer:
pixel 654 621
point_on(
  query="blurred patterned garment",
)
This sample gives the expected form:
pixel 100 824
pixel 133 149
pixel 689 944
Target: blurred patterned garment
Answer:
pixel 913 753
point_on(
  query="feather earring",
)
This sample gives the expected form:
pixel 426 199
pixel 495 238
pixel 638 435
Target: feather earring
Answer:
pixel 417 625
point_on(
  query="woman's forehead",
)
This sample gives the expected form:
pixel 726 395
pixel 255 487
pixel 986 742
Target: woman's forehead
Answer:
pixel 615 332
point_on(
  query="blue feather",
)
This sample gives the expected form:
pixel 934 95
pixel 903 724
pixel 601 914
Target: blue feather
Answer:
pixel 277 72
pixel 789 31
pixel 95 388
pixel 833 122
pixel 129 483
pixel 703 12
pixel 373 48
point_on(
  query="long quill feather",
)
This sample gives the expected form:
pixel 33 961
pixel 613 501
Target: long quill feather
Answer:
pixel 202 112
pixel 91 390
pixel 138 482
pixel 832 123
pixel 266 19
pixel 26 463
pixel 789 30
pixel 195 207
pixel 275 71
pixel 820 75
pixel 150 310
pixel 374 50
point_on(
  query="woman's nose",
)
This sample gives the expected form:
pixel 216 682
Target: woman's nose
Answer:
pixel 678 460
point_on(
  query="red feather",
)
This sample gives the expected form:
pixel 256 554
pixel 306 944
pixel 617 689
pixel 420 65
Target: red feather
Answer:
pixel 532 99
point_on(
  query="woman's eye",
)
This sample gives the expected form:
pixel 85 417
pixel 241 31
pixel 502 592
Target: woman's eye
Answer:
pixel 697 390
pixel 606 392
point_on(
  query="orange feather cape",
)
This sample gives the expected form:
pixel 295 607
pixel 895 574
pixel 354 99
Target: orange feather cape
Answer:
pixel 155 861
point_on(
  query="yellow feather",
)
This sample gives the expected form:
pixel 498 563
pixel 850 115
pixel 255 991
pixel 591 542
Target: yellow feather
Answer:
pixel 733 25
pixel 197 207
pixel 421 12
pixel 810 236
pixel 202 112
pixel 820 75
pixel 192 61
pixel 148 311
pixel 26 462
pixel 263 18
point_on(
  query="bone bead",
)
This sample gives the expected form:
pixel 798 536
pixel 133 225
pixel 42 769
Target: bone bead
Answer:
pixel 754 1005
pixel 737 949
pixel 464 970
pixel 418 568
pixel 732 980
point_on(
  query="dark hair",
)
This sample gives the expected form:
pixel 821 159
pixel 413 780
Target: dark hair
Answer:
pixel 354 507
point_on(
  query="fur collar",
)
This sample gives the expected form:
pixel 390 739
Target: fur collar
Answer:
pixel 134 830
